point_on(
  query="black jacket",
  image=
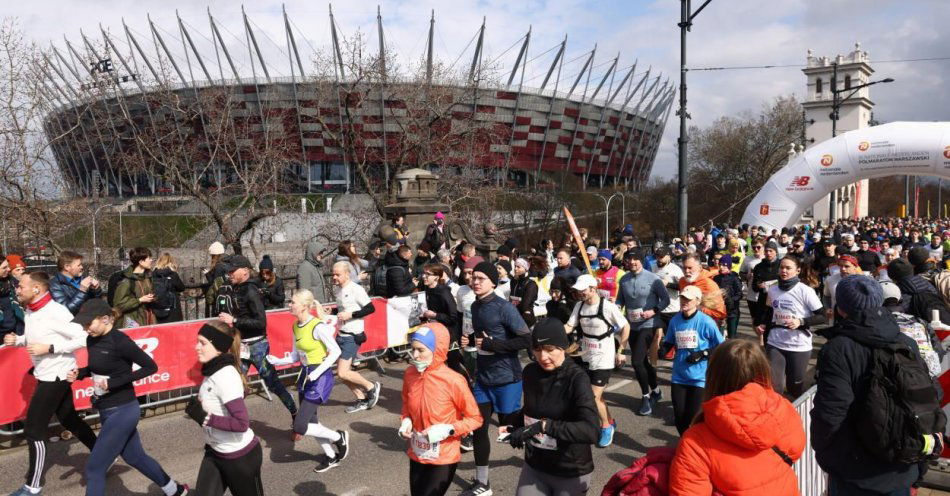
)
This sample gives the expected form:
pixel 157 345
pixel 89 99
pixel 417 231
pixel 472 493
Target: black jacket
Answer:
pixel 68 295
pixel 526 291
pixel 12 321
pixel 246 305
pixel 274 296
pixel 440 300
pixel 732 287
pixel 177 287
pixel 398 276
pixel 565 400
pixel 764 271
pixel 842 376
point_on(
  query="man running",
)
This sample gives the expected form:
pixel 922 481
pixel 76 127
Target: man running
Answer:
pixel 499 334
pixel 599 320
pixel 50 337
pixel 353 304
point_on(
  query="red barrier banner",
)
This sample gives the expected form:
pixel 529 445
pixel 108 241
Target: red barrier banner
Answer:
pixel 172 346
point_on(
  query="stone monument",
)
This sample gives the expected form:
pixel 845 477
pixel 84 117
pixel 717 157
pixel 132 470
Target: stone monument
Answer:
pixel 417 198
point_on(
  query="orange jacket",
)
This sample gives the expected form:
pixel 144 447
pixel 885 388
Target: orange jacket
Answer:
pixel 730 450
pixel 439 395
pixel 713 304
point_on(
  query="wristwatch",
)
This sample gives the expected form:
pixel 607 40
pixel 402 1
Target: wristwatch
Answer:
pixel 51 349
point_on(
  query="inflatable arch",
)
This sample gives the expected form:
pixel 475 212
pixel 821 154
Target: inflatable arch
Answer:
pixel 915 148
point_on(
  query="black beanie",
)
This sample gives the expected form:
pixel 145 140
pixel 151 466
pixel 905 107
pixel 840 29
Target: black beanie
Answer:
pixel 549 331
pixel 506 265
pixel 918 256
pixel 266 263
pixel 504 250
pixel 899 269
pixel 489 270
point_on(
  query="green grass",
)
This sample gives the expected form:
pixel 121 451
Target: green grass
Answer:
pixel 138 230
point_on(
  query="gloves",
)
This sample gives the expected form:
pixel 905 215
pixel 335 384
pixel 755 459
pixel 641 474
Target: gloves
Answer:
pixel 439 432
pixel 196 411
pixel 522 434
pixel 405 428
pixel 697 356
pixel 487 343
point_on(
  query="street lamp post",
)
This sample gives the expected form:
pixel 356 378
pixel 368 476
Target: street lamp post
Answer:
pixel 606 201
pixel 836 102
pixel 95 244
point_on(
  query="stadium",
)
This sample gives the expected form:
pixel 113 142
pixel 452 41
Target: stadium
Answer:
pixel 600 127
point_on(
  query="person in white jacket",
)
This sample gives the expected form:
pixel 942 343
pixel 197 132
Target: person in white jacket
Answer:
pixel 50 337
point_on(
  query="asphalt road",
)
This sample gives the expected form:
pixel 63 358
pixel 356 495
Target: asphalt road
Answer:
pixel 377 464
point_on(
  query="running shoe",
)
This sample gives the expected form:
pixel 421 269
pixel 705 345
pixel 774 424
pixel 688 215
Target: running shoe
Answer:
pixel 477 489
pixel 372 397
pixel 467 444
pixel 182 490
pixel 655 397
pixel 645 407
pixel 22 491
pixel 606 436
pixel 325 463
pixel 503 437
pixel 342 445
pixel 359 406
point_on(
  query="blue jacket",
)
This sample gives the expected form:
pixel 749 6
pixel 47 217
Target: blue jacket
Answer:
pixel 701 333
pixel 11 315
pixel 644 290
pixel 497 362
pixel 66 292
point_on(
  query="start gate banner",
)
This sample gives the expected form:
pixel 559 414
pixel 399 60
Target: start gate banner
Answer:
pixel 172 346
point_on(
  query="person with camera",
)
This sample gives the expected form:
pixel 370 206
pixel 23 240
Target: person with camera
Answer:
pixel 352 305
pixel 68 287
pixel 240 305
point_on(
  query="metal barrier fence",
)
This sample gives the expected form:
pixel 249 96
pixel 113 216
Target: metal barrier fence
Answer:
pixel 812 480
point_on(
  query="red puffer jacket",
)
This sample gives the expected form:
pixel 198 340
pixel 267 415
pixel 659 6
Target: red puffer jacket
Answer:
pixel 731 449
pixel 648 476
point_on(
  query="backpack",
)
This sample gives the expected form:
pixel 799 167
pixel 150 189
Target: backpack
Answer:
pixel 114 279
pixel 378 285
pixel 923 304
pixel 899 407
pixel 941 280
pixel 212 292
pixel 225 300
pixel 165 298
pixel 599 315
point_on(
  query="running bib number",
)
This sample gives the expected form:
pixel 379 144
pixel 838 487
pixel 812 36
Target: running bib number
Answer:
pixel 603 293
pixel 542 441
pixel 635 315
pixel 591 344
pixel 515 300
pixel 245 352
pixel 781 318
pixel 422 448
pixel 687 340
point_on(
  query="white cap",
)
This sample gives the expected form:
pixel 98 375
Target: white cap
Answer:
pixel 890 290
pixel 216 248
pixel 585 281
pixel 591 250
pixel 691 293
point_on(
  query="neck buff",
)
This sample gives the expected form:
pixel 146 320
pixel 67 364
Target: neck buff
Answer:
pixel 217 363
pixel 787 284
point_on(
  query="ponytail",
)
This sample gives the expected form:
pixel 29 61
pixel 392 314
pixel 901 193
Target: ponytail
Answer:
pixel 305 297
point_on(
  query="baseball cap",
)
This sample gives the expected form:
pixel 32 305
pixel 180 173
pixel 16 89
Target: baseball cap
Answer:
pixel 91 310
pixel 585 281
pixel 236 262
pixel 691 293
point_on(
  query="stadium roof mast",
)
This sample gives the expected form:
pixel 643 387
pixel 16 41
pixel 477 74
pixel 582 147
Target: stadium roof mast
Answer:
pixel 68 103
pixel 514 115
pixel 633 126
pixel 382 89
pixel 476 64
pixel 580 107
pixel 257 49
pixel 603 115
pixel 429 49
pixel 187 37
pixel 643 132
pixel 556 63
pixel 224 48
pixel 603 110
pixel 614 147
pixel 339 76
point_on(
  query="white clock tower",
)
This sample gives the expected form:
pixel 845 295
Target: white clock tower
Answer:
pixel 842 72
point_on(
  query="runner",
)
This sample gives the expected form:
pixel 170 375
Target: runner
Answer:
pixel 524 291
pixel 793 310
pixel 353 304
pixel 499 334
pixel 437 410
pixel 695 335
pixel 608 277
pixel 559 421
pixel 316 350
pixel 233 455
pixel 111 356
pixel 643 295
pixel 50 338
pixel 599 320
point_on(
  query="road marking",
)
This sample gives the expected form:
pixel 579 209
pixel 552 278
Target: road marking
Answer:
pixel 613 387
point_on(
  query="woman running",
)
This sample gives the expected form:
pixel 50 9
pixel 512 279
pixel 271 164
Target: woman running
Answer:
pixel 559 422
pixel 792 310
pixel 438 409
pixel 746 436
pixel 316 350
pixel 694 334
pixel 233 454
pixel 111 356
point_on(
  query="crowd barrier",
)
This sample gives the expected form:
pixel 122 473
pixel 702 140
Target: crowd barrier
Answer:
pixel 172 346
pixel 812 480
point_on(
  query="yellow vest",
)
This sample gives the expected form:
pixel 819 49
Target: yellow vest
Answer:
pixel 313 349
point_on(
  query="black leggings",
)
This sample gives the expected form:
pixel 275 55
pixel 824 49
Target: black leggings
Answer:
pixel 640 359
pixel 241 475
pixel 430 480
pixel 51 398
pixel 480 437
pixel 788 370
pixel 754 310
pixel 687 401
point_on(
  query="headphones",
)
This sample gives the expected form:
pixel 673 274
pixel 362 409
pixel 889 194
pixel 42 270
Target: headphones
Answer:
pixel 36 291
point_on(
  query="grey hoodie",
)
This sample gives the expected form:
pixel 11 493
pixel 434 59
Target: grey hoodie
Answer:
pixel 310 271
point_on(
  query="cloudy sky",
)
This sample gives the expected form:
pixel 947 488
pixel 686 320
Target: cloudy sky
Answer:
pixel 726 33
